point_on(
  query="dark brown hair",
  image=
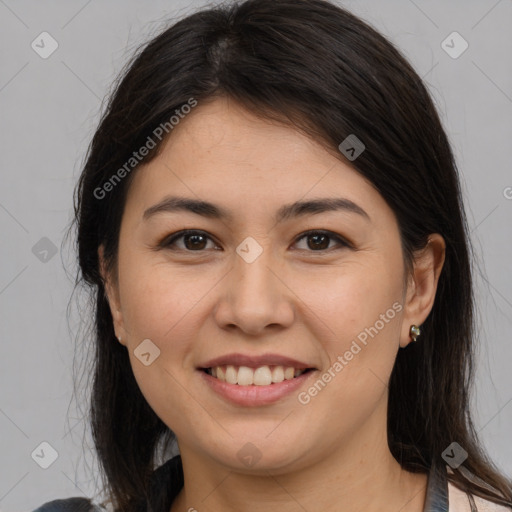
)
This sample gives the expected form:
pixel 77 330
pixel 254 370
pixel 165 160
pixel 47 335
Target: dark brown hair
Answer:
pixel 320 69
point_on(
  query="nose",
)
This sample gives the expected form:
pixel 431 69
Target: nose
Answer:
pixel 255 297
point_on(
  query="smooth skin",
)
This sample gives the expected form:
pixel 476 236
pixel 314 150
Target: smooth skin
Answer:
pixel 303 297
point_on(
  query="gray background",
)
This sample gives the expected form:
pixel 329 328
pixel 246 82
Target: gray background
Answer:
pixel 49 109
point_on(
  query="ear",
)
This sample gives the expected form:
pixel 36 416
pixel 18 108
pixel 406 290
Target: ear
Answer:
pixel 112 294
pixel 422 285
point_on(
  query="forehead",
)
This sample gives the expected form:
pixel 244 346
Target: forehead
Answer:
pixel 223 129
pixel 222 151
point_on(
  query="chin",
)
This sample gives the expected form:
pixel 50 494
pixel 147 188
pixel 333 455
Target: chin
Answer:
pixel 260 455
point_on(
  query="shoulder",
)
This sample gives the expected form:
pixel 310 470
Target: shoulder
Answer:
pixel 166 482
pixel 459 502
pixel 76 504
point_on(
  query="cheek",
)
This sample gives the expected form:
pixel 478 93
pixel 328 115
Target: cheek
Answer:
pixel 160 307
pixel 166 392
pixel 353 302
pixel 359 315
pixel 157 300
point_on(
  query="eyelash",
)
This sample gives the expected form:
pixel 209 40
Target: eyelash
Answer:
pixel 170 240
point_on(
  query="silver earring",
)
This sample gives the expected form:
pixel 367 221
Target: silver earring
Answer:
pixel 414 332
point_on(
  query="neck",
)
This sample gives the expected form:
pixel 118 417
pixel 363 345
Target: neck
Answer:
pixel 361 475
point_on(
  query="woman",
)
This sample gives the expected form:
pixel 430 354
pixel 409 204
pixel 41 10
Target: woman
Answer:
pixel 271 220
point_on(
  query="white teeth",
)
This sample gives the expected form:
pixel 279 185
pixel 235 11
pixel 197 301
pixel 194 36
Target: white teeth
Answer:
pixel 231 374
pixel 289 373
pixel 261 376
pixel 277 374
pixel 245 376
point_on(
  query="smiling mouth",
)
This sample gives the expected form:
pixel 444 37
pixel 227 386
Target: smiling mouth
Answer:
pixel 261 376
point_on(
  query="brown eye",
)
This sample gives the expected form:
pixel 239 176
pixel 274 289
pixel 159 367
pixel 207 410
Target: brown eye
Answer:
pixel 197 241
pixel 319 240
pixel 193 241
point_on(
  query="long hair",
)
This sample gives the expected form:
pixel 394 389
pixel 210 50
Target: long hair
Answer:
pixel 320 69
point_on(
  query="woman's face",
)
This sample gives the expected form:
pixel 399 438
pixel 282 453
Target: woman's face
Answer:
pixel 252 289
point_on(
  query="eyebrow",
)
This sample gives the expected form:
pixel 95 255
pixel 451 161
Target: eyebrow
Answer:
pixel 297 209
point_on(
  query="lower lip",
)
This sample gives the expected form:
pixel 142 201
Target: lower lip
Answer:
pixel 253 396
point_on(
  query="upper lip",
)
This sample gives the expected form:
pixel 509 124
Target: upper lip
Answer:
pixel 255 361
